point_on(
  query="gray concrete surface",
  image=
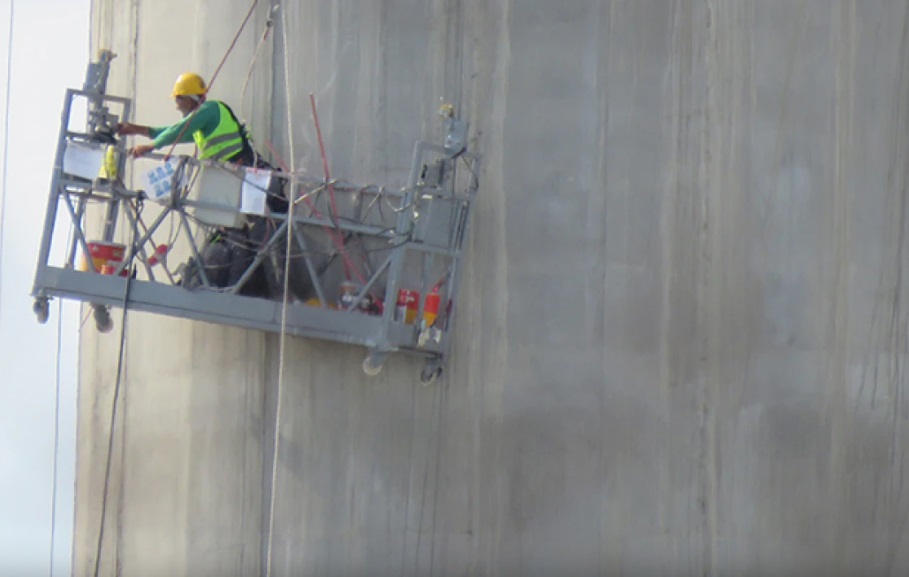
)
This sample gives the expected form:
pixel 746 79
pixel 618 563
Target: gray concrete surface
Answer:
pixel 681 341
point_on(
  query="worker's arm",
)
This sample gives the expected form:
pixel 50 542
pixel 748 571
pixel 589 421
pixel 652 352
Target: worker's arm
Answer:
pixel 205 118
pixel 128 129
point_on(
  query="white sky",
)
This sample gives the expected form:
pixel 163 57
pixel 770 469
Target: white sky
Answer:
pixel 50 53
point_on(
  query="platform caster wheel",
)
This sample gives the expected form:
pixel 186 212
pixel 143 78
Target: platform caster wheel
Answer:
pixel 42 310
pixel 372 365
pixel 430 373
pixel 103 322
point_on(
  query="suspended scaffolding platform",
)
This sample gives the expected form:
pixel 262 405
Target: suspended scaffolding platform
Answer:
pixel 219 243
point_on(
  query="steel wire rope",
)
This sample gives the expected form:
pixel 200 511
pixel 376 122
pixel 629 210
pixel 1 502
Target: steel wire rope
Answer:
pixel 283 337
pixel 69 245
pixel 121 353
pixel 269 23
pixel 123 325
pixel 56 434
pixel 333 207
pixel 9 69
pixel 115 401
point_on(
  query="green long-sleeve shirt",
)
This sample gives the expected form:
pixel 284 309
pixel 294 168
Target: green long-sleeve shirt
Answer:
pixel 206 119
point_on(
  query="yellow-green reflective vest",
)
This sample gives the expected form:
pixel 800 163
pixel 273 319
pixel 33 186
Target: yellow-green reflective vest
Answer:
pixel 225 142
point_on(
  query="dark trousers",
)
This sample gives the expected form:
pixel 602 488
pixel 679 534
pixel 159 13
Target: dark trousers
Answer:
pixel 277 199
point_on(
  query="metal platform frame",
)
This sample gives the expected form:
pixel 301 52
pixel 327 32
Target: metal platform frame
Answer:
pixel 410 238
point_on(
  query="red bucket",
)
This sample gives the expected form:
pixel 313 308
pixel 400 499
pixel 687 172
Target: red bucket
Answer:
pixel 106 257
pixel 407 306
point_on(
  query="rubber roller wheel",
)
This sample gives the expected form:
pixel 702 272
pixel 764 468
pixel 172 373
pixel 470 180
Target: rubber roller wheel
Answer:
pixel 372 366
pixel 103 322
pixel 430 373
pixel 42 310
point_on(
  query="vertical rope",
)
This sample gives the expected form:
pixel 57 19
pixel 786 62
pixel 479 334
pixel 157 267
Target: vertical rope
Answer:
pixel 233 43
pixel 121 364
pixel 9 69
pixel 333 207
pixel 283 337
pixel 265 33
pixel 53 534
pixel 57 371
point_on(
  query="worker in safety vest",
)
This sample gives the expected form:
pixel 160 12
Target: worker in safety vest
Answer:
pixel 218 134
pixel 211 124
pixel 214 128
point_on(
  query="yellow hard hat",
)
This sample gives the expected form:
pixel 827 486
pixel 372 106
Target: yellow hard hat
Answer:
pixel 189 84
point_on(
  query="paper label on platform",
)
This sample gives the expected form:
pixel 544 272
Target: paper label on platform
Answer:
pixel 159 181
pixel 82 160
pixel 254 191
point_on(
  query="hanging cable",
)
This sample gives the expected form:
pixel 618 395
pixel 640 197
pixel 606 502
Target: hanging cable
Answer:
pixel 56 458
pixel 56 433
pixel 283 337
pixel 57 371
pixel 333 208
pixel 334 232
pixel 9 70
pixel 331 188
pixel 121 362
pixel 252 65
pixel 233 43
pixel 113 419
pixel 121 354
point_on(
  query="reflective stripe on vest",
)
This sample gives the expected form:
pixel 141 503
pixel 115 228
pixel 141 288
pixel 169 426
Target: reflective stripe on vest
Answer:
pixel 224 142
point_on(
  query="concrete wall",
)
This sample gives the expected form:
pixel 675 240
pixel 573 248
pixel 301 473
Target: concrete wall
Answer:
pixel 683 325
pixel 185 488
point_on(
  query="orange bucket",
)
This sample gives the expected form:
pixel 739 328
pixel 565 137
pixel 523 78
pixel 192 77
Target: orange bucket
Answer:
pixel 431 308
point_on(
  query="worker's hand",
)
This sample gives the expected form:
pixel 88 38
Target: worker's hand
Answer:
pixel 141 150
pixel 128 129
